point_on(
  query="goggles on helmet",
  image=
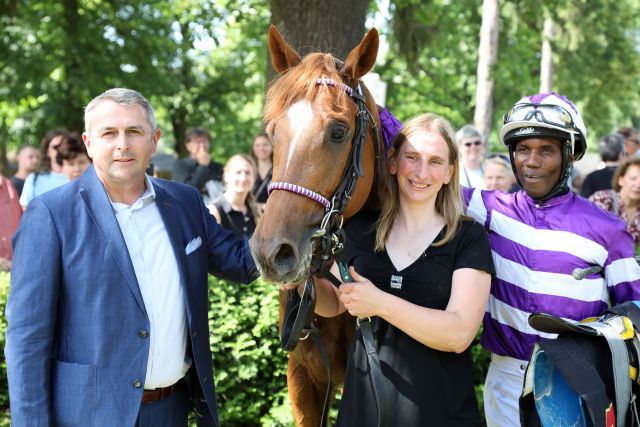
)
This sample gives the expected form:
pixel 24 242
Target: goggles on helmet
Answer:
pixel 552 115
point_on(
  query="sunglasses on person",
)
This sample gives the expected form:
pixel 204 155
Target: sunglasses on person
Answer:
pixel 470 143
pixel 550 114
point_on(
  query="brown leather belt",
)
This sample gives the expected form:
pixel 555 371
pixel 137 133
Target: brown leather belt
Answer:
pixel 150 396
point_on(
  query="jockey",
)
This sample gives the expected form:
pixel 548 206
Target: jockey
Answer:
pixel 538 236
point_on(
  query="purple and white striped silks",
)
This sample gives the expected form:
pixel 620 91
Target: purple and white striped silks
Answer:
pixel 535 248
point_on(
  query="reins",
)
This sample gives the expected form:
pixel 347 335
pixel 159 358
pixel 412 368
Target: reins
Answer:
pixel 299 310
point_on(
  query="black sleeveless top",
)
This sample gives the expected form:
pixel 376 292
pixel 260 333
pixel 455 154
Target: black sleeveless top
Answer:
pixel 242 225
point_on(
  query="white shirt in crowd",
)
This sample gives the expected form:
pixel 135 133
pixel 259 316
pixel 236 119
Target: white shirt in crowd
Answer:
pixel 472 178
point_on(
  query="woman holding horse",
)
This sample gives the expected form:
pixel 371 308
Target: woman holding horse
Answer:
pixel 262 155
pixel 421 271
pixel 235 209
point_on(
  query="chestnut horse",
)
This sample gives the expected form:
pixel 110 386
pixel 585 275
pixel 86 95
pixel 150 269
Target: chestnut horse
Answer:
pixel 311 115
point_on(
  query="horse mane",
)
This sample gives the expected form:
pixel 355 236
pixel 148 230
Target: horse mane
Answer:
pixel 299 83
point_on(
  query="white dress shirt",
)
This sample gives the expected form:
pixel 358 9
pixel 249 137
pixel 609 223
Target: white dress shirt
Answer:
pixel 159 279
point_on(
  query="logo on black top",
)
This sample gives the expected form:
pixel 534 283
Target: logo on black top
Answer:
pixel 396 282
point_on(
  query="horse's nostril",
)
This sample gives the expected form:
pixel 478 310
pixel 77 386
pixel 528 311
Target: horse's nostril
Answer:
pixel 285 254
pixel 285 257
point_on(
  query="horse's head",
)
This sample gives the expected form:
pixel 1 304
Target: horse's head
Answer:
pixel 311 114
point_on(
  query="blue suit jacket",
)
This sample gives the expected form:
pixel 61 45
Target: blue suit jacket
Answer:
pixel 73 348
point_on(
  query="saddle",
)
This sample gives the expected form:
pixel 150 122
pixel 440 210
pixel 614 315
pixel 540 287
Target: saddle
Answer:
pixel 588 376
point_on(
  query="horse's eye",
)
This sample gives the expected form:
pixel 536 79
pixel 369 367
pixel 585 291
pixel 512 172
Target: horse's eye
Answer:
pixel 338 134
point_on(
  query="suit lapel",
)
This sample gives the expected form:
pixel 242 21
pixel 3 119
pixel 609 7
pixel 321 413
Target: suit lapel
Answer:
pixel 99 207
pixel 173 222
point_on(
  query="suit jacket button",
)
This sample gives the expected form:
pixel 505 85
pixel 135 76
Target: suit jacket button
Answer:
pixel 142 333
pixel 137 384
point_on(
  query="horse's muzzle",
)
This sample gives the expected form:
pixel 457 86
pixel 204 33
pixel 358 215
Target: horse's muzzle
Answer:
pixel 279 260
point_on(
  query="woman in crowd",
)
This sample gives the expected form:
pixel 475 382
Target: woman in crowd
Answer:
pixel 624 199
pixel 472 148
pixel 49 176
pixel 262 154
pixel 235 209
pixel 72 156
pixel 422 273
pixel 497 173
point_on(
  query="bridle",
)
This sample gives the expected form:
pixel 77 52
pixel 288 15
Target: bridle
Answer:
pixel 329 237
pixel 354 167
pixel 331 225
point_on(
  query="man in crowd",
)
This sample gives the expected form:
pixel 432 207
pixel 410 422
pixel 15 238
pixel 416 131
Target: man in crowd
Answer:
pixel 611 151
pixel 28 160
pixel 198 170
pixel 538 236
pixel 107 313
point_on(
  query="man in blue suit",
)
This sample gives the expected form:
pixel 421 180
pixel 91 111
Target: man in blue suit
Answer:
pixel 107 312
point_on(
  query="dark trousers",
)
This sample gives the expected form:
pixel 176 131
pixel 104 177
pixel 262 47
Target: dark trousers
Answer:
pixel 172 411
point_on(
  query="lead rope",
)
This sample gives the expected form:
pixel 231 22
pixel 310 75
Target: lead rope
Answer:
pixel 375 372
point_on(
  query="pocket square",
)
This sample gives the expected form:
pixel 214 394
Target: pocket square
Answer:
pixel 193 245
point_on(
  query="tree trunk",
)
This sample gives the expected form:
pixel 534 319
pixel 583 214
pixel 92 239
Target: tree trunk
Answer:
pixel 487 54
pixel 546 60
pixel 73 112
pixel 178 109
pixel 179 124
pixel 330 26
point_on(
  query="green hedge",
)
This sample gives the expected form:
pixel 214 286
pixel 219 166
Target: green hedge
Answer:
pixel 249 366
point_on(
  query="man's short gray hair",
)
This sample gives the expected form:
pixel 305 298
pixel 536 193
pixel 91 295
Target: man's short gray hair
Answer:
pixel 611 147
pixel 122 96
pixel 468 131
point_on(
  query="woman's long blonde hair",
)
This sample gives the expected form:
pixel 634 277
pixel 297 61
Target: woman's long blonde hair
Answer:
pixel 448 200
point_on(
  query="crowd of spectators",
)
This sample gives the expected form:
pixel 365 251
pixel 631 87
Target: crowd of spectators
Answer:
pixel 62 157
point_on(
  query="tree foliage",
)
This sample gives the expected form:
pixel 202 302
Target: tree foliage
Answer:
pixel 203 62
pixel 199 62
pixel 433 54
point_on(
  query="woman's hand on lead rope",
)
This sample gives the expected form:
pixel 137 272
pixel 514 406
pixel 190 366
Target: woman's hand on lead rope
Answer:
pixel 361 298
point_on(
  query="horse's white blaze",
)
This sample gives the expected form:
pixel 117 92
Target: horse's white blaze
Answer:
pixel 300 115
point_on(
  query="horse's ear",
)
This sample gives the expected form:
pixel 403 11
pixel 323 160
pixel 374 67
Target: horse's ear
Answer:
pixel 362 58
pixel 283 56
